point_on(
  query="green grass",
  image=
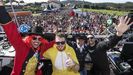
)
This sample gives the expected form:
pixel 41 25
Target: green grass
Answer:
pixel 111 12
pixel 36 14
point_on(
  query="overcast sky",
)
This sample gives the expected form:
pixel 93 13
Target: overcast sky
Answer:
pixel 115 1
pixel 94 1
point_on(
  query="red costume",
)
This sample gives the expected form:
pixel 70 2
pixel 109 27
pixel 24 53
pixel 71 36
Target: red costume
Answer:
pixel 24 52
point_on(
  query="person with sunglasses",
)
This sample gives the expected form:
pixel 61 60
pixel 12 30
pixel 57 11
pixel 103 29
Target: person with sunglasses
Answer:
pixel 63 57
pixel 81 51
pixel 28 50
pixel 98 50
pixel 91 42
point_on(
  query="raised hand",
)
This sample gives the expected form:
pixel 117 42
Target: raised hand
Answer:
pixel 123 25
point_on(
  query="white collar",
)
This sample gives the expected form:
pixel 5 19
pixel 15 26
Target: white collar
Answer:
pixel 80 46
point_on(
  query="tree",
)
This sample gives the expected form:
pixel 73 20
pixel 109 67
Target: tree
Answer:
pixel 62 5
pixel 52 6
pixel 48 7
pixel 22 1
pixel 6 1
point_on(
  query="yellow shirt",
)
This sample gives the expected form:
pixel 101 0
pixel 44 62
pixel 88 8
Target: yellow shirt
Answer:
pixel 59 58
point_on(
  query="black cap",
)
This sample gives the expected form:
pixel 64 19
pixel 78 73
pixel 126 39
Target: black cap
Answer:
pixel 81 36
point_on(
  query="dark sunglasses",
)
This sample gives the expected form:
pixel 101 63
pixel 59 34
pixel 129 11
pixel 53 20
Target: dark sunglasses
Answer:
pixel 36 38
pixel 90 38
pixel 60 43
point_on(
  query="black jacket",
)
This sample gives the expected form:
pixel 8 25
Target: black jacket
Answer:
pixel 99 56
pixel 80 55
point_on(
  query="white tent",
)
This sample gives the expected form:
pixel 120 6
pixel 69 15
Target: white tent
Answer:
pixel 22 4
pixel 13 3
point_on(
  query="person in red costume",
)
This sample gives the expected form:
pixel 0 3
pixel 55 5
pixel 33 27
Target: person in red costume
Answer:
pixel 28 50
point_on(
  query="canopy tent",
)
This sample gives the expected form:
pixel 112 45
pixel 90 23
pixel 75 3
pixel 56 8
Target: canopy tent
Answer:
pixel 15 4
pixel 48 10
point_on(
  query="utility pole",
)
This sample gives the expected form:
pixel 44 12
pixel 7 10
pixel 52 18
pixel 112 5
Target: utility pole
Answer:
pixel 83 6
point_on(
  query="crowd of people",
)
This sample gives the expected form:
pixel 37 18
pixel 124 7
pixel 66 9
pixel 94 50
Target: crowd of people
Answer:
pixel 92 23
pixel 81 56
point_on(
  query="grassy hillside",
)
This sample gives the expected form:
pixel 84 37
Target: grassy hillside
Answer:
pixel 111 12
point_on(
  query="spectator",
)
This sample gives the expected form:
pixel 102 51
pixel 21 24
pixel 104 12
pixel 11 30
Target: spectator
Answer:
pixel 99 56
pixel 63 57
pixel 81 50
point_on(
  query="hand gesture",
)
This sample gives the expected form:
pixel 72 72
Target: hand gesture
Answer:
pixel 123 25
pixel 71 65
pixel 69 62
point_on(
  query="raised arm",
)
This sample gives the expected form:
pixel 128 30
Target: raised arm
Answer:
pixel 10 28
pixel 114 39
